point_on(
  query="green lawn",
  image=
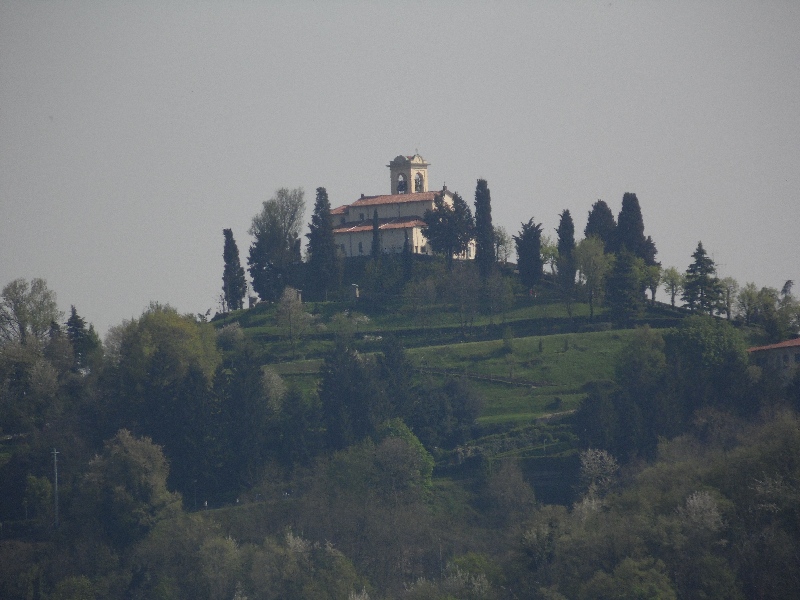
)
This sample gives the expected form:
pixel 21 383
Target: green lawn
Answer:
pixel 543 375
pixel 528 383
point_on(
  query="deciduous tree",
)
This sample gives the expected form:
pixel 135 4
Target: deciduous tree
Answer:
pixel 651 279
pixel 747 302
pixel 27 310
pixel 708 361
pixel 594 265
pixel 729 289
pixel 673 282
pixel 502 244
pixel 126 488
pixel 293 318
pixel 549 253
pixel 167 363
pixel 276 248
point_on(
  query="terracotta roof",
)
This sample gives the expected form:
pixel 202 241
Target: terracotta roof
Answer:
pixel 395 199
pixel 389 199
pixel 383 225
pixel 795 343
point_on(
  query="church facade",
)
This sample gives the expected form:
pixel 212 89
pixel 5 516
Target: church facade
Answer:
pixel 399 213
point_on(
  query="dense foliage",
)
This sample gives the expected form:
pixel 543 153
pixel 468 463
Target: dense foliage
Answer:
pixel 520 449
pixel 275 252
pixel 449 228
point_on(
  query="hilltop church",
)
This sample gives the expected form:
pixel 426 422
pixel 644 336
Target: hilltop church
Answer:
pixel 399 213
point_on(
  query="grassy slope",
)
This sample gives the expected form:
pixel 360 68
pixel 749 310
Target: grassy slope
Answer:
pixel 519 387
pixel 528 383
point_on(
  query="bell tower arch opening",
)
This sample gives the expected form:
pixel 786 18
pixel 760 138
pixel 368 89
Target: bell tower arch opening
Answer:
pixel 409 174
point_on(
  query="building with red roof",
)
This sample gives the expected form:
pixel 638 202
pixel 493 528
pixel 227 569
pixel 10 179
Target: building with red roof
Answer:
pixel 399 213
pixel 782 358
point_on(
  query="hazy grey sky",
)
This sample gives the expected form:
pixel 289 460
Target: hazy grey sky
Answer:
pixel 132 133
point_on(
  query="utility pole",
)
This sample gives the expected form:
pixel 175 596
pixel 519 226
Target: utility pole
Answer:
pixel 55 487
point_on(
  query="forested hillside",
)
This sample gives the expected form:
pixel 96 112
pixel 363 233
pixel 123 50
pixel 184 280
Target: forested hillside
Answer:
pixel 454 430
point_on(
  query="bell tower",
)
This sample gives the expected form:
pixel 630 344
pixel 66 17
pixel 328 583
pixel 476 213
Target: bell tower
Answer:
pixel 409 174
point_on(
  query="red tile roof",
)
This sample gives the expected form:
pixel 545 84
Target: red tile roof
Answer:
pixel 388 199
pixel 795 343
pixel 395 199
pixel 383 225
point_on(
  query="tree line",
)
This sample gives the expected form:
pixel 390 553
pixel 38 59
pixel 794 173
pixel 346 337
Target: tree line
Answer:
pixel 687 484
pixel 613 266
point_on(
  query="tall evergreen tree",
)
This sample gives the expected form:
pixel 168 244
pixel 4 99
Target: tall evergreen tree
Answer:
pixel 84 340
pixel 601 223
pixel 449 229
pixel 234 284
pixel 529 253
pixel 624 292
pixel 630 226
pixel 701 288
pixel 350 396
pixel 408 259
pixel 323 264
pixel 566 247
pixel 268 279
pixel 376 235
pixel 484 232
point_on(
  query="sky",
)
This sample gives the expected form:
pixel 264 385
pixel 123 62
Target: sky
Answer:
pixel 133 133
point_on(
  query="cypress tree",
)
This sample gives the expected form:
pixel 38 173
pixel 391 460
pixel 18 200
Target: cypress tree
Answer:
pixel 234 284
pixel 601 223
pixel 323 263
pixel 484 232
pixel 376 235
pixel 630 226
pixel 566 246
pixel 408 259
pixel 449 229
pixel 529 253
pixel 268 280
pixel 566 259
pixel 624 294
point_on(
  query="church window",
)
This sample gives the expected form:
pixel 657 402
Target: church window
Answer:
pixel 418 183
pixel 360 248
pixel 401 184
